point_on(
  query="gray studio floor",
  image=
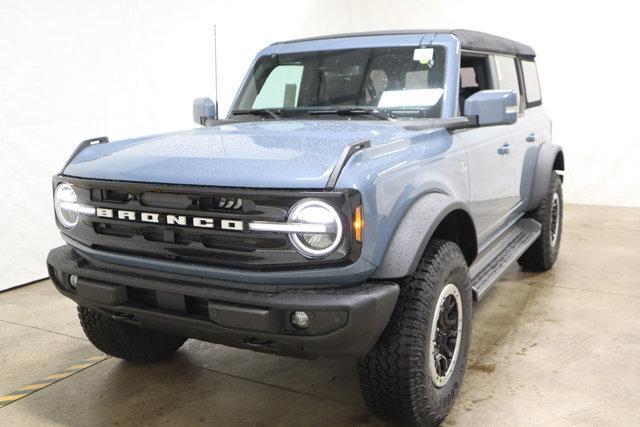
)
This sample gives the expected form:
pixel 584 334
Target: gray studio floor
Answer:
pixel 557 348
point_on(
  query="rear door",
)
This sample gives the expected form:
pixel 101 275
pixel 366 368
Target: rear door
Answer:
pixel 507 78
pixel 531 130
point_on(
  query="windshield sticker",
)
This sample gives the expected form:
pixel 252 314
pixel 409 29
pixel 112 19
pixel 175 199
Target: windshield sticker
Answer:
pixel 424 56
pixel 411 98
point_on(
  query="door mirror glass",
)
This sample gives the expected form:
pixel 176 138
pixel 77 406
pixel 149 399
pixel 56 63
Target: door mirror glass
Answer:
pixel 493 107
pixel 203 109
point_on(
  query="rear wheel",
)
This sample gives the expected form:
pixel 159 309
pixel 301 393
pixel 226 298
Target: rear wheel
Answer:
pixel 126 341
pixel 414 372
pixel 543 253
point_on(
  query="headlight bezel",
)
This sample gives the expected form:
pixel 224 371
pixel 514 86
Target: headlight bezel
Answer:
pixel 65 193
pixel 335 220
pixel 63 204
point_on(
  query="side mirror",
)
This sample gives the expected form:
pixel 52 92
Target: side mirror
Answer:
pixel 203 109
pixel 493 107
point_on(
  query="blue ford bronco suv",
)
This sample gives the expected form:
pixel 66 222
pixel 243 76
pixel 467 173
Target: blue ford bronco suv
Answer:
pixel 362 192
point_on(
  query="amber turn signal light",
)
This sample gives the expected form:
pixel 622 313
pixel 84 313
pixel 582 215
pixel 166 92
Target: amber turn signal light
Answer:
pixel 358 224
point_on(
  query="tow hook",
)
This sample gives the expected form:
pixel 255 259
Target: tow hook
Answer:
pixel 124 317
pixel 256 343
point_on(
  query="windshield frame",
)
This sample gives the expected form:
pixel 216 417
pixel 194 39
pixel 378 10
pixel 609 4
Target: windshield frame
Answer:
pixel 448 104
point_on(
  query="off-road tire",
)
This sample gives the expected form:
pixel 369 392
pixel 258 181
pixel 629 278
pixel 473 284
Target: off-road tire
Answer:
pixel 126 341
pixel 541 255
pixel 394 376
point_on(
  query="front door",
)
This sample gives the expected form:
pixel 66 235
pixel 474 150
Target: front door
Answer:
pixel 491 165
pixel 491 171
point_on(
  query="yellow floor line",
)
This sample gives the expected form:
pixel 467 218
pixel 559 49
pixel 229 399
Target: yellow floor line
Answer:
pixel 58 376
pixel 34 386
pixel 80 366
pixel 98 358
pixel 51 379
pixel 12 397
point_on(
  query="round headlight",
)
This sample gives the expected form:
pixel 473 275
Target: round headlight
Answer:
pixel 329 235
pixel 66 201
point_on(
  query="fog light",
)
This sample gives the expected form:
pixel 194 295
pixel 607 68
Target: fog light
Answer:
pixel 73 281
pixel 300 320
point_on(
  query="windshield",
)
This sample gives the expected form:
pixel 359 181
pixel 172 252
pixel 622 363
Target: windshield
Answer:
pixel 394 82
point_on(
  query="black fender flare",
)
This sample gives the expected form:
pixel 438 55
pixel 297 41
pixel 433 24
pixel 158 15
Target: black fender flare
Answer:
pixel 548 154
pixel 413 234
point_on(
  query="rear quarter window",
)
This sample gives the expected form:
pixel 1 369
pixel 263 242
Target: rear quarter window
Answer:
pixel 531 83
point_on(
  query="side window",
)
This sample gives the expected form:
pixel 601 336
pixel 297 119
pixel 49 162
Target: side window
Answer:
pixel 474 77
pixel 281 88
pixel 531 83
pixel 508 76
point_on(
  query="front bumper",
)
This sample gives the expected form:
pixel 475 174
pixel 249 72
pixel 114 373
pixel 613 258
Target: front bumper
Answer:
pixel 344 321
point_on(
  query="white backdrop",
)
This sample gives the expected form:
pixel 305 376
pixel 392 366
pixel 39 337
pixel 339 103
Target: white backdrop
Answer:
pixel 70 70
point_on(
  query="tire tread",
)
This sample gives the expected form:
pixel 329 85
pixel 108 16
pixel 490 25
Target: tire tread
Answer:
pixel 540 256
pixel 392 377
pixel 126 341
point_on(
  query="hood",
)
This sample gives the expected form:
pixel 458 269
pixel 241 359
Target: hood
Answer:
pixel 261 154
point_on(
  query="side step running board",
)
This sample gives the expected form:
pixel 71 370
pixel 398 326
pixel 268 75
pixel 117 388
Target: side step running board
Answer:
pixel 495 260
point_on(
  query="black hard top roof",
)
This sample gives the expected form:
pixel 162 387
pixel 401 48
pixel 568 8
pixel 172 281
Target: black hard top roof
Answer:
pixel 472 40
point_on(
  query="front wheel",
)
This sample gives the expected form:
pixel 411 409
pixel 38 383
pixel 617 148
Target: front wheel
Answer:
pixel 126 341
pixel 414 372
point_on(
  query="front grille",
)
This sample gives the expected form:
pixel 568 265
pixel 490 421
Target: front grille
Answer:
pixel 214 245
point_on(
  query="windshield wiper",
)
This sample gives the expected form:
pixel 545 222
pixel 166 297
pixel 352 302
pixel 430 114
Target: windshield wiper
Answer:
pixel 352 112
pixel 276 114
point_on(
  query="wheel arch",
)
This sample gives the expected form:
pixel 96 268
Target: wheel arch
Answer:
pixel 432 215
pixel 457 227
pixel 558 163
pixel 550 158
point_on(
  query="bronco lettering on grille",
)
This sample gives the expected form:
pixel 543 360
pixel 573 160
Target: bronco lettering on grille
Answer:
pixel 170 219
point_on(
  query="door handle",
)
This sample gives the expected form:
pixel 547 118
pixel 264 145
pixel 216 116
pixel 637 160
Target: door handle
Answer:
pixel 505 149
pixel 531 137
